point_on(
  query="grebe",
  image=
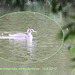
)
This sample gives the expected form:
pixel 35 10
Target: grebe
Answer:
pixel 21 35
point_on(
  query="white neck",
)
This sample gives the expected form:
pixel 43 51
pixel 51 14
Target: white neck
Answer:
pixel 30 36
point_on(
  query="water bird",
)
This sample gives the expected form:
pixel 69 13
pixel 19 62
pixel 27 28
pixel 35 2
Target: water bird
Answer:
pixel 22 35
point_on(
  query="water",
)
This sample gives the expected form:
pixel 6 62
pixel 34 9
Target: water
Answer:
pixel 24 50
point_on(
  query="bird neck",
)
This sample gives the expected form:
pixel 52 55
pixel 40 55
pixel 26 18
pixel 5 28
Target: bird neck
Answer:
pixel 30 35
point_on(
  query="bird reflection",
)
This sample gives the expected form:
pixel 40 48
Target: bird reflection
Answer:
pixel 25 44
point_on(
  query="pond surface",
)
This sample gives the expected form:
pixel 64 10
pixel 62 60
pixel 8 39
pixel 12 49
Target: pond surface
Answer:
pixel 43 44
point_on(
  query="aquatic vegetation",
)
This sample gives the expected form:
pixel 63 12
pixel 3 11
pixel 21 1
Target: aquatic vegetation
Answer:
pixel 70 35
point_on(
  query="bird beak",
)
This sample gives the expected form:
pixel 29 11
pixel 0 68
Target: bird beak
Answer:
pixel 35 31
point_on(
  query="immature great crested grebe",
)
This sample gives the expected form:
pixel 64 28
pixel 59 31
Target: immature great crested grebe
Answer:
pixel 21 35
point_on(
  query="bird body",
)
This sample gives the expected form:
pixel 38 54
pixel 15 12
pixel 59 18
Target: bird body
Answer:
pixel 21 35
